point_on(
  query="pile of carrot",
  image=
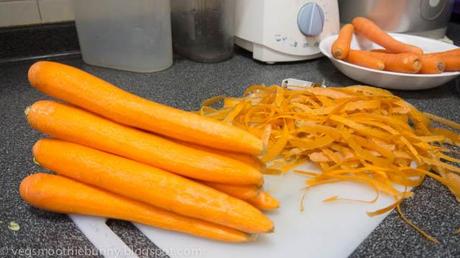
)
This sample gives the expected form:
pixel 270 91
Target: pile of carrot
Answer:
pixel 395 56
pixel 117 155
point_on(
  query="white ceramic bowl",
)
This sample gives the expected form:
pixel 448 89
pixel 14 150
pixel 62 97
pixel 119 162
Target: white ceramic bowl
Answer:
pixel 391 80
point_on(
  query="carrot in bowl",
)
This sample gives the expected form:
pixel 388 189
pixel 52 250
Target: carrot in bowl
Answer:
pixel 98 96
pixel 341 46
pixel 452 63
pixel 362 58
pixel 63 195
pixel 432 64
pixel 403 62
pixel 75 125
pixel 451 58
pixel 371 31
pixel 150 185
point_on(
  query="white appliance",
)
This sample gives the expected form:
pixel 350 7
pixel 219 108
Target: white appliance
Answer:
pixel 284 30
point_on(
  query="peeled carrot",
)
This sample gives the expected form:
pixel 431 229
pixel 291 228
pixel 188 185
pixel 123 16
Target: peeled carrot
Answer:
pixel 243 192
pixel 148 184
pixel 245 158
pixel 341 46
pixel 403 62
pixel 432 64
pixel 94 94
pixel 452 63
pixel 370 30
pixel 264 201
pixel 362 58
pixel 63 195
pixel 75 125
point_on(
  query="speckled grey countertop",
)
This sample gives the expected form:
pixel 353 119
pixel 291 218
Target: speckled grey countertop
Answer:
pixel 185 85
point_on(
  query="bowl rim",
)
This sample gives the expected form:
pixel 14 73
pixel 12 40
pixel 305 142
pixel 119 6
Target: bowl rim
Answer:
pixel 327 52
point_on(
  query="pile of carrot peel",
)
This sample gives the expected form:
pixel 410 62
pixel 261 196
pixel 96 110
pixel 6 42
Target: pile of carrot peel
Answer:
pixel 356 133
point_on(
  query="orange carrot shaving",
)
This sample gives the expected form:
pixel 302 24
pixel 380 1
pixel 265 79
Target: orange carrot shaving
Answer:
pixel 423 233
pixel 357 133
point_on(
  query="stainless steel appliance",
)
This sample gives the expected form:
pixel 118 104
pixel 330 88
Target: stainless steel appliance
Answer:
pixel 427 18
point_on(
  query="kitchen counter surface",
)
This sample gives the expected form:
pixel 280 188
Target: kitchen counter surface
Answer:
pixel 185 85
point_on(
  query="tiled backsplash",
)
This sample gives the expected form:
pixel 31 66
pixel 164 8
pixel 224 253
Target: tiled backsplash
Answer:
pixel 25 12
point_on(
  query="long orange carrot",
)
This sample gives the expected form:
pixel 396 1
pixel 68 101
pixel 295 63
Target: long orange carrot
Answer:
pixel 452 63
pixel 341 46
pixel 91 93
pixel 379 50
pixel 362 58
pixel 75 125
pixel 432 64
pixel 63 195
pixel 252 194
pixel 370 30
pixel 264 201
pixel 148 184
pixel 403 62
pixel 248 159
pixel 243 192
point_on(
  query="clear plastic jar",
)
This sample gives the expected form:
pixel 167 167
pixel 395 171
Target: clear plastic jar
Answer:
pixel 125 35
pixel 203 29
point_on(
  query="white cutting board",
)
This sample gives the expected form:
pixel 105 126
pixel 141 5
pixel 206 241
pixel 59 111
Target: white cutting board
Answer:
pixel 332 229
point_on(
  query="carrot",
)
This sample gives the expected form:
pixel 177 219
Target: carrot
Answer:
pixel 63 195
pixel 362 58
pixel 341 46
pixel 451 58
pixel 148 184
pixel 403 62
pixel 243 192
pixel 264 201
pixel 75 125
pixel 379 50
pixel 452 63
pixel 245 158
pixel 94 94
pixel 432 64
pixel 370 30
pixel 452 52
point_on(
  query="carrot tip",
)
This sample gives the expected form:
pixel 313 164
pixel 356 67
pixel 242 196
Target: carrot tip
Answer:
pixel 338 53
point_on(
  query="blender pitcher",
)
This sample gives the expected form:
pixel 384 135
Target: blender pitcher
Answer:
pixel 203 29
